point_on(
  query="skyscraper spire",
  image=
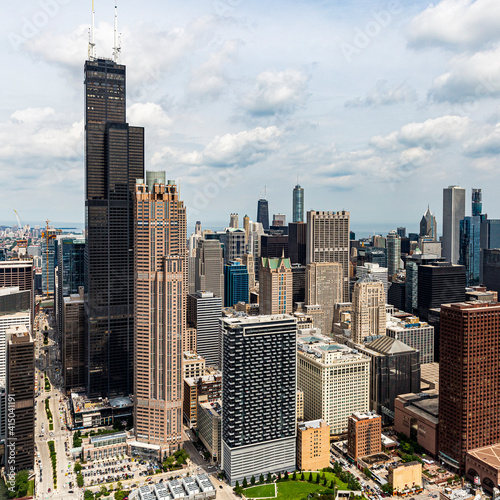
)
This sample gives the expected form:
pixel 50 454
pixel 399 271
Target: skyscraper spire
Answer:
pixel 91 36
pixel 116 48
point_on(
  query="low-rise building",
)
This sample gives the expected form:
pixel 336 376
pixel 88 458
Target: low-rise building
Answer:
pixel 416 416
pixel 364 432
pixel 209 427
pixel 104 446
pixel 193 365
pixel 405 477
pixel 313 445
pixel 484 463
pixel 199 487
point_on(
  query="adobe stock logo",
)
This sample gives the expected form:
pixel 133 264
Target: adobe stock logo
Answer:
pixel 363 37
pixel 31 26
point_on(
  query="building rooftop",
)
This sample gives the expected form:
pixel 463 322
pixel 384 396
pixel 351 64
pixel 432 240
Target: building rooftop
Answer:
pixel 388 345
pixel 364 416
pixel 312 424
pixel 488 454
pixel 214 407
pixel 251 320
pixel 217 376
pixel 405 323
pixel 82 404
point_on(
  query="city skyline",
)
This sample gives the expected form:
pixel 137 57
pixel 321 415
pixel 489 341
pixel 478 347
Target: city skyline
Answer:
pixel 217 111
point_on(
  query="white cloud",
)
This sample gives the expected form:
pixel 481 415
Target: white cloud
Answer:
pixel 277 93
pixel 434 133
pixel 148 114
pixel 210 79
pixel 485 143
pixel 456 25
pixel 230 150
pixel 470 77
pixel 383 95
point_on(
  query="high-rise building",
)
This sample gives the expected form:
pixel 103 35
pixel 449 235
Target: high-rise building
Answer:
pixel 209 267
pixel 470 248
pixel 279 220
pixel 73 331
pixel 297 238
pixel 477 203
pixel 234 244
pixel 334 378
pixel 490 238
pixel 274 245
pixel 114 159
pixel 235 284
pixel 263 213
pixel 204 311
pixel 19 273
pixel 70 272
pixel 364 434
pixel 414 333
pixel 377 271
pixel 439 283
pixel 393 253
pixel 401 232
pixel 233 221
pixel 469 377
pixel 453 213
pixel 298 204
pixel 328 241
pixel 368 314
pixel 428 226
pixel 247 260
pixel 160 313
pixel 259 395
pixel 49 262
pixel 298 284
pixel 324 282
pixel 275 286
pixel 491 269
pixel 20 398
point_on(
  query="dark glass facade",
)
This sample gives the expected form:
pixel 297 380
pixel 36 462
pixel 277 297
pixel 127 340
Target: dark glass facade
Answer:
pixel 470 248
pixel 490 238
pixel 297 237
pixel 274 245
pixel 235 284
pixel 114 154
pixel 263 213
pixel 491 269
pixel 298 204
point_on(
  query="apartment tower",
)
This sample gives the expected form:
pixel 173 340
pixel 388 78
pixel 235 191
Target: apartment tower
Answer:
pixel 160 312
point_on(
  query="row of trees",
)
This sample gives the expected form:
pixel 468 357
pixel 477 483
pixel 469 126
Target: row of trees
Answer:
pixel 53 459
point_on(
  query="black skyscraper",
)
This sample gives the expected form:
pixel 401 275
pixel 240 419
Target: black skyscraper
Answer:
pixel 263 213
pixel 114 159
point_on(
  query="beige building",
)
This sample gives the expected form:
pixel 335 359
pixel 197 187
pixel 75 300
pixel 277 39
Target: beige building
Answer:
pixel 189 340
pixel 328 241
pixel 248 260
pixel 160 306
pixel 405 477
pixel 313 445
pixel 364 431
pixel 335 380
pixel 206 388
pixel 324 287
pixel 275 286
pixel 300 405
pixel 368 314
pixel 193 365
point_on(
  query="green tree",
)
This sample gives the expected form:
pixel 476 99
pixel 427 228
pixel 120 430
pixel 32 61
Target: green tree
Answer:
pixel 269 477
pixel 367 472
pixel 302 477
pixel 310 477
pixel 317 478
pixel 286 476
pixel 324 482
pixel 294 476
pixel 78 467
pixel 261 479
pixel 245 482
pixel 279 477
pixel 252 480
pixel 387 489
pixel 79 480
pixel 88 495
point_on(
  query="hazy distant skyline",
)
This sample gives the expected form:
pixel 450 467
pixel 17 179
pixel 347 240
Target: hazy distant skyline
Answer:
pixel 375 106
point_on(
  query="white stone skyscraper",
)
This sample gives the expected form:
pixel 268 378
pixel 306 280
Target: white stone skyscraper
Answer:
pixel 453 213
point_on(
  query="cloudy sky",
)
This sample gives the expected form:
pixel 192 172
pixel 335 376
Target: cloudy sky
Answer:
pixel 374 106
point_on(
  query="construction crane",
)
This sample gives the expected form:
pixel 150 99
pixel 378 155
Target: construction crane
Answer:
pixel 22 243
pixel 49 234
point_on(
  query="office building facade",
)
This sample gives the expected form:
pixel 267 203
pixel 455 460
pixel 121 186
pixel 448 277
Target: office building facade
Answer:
pixel 298 204
pixel 263 213
pixel 160 313
pixel 235 284
pixel 297 237
pixel 469 377
pixel 364 433
pixel 73 331
pixel 209 267
pixel 259 396
pixel 393 253
pixel 114 159
pixel 453 213
pixel 428 226
pixel 275 286
pixel 313 445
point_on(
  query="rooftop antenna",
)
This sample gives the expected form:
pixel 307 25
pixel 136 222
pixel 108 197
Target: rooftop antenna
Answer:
pixel 265 192
pixel 116 48
pixel 91 36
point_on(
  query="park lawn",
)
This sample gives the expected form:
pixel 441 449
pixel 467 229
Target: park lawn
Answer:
pixel 329 476
pixel 261 491
pixel 293 490
pixel 31 488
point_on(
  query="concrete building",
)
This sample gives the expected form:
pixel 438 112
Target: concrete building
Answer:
pixel 313 445
pixel 20 397
pixel 364 431
pixel 209 267
pixel 248 261
pixel 334 378
pixel 73 336
pixel 328 241
pixel 160 307
pixel 203 312
pixel 453 213
pixel 469 368
pixel 428 226
pixel 415 333
pixel 259 395
pixel 377 271
pixel 210 427
pixel 233 221
pixel 324 287
pixel 275 286
pixel 207 388
pixel 417 416
pixel 18 273
pixel 193 365
pixel 484 463
pixel 368 314
pixel 300 405
pixel 234 245
pixel 405 478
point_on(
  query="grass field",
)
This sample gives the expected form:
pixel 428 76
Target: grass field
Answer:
pixel 294 490
pixel 262 491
